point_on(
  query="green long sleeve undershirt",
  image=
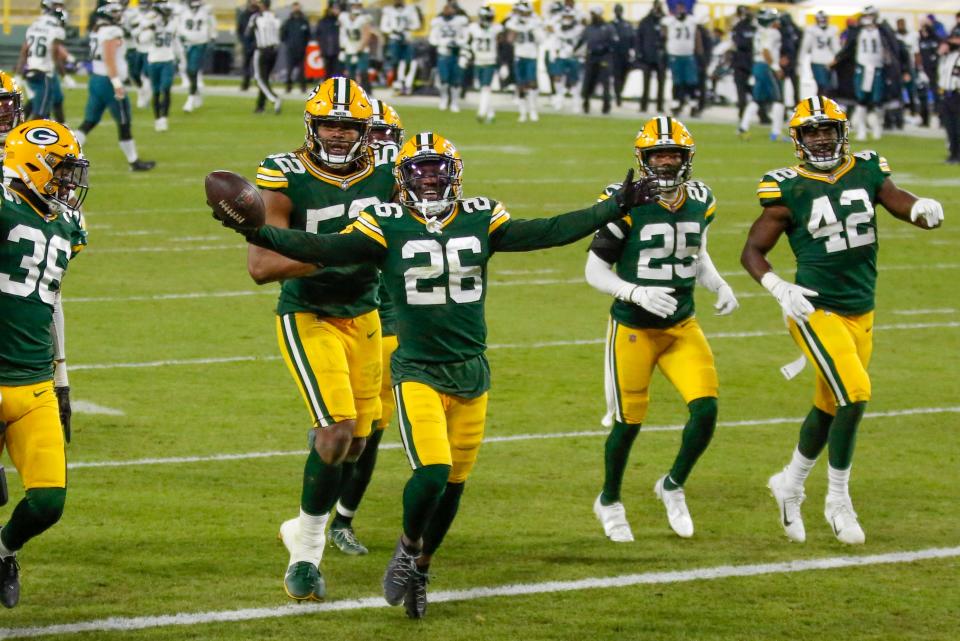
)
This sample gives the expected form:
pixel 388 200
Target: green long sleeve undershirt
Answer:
pixel 516 236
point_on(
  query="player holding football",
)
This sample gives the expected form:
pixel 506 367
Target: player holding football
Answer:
pixel 327 323
pixel 433 248
pixel 660 253
pixel 825 206
pixel 41 230
pixel 386 136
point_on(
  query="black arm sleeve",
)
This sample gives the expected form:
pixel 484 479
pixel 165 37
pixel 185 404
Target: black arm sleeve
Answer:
pixel 608 242
pixel 541 233
pixel 347 248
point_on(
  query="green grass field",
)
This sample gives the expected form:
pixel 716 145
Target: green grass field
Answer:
pixel 165 326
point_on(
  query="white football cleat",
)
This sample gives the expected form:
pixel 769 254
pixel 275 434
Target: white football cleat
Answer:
pixel 677 513
pixel 534 116
pixel 188 105
pixel 789 501
pixel 613 518
pixel 843 521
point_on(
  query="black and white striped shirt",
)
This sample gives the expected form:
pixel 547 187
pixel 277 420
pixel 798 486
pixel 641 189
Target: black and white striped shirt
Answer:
pixel 266 29
pixel 949 72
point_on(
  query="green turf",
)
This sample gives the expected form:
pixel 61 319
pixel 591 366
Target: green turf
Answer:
pixel 152 540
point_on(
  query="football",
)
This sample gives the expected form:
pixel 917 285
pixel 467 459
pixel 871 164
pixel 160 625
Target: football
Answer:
pixel 234 199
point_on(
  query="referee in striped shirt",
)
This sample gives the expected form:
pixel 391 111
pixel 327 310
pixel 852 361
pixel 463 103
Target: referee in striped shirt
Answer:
pixel 949 83
pixel 265 28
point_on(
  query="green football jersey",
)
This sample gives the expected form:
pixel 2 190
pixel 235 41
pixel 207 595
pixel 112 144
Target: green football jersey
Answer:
pixel 388 311
pixel 833 228
pixel 436 274
pixel 34 252
pixel 325 203
pixel 657 245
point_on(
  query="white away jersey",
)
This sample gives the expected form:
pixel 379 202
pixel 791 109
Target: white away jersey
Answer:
pixel 482 41
pixel 767 39
pixel 869 48
pixel 158 37
pixel 41 35
pixel 398 23
pixel 196 26
pixel 822 43
pixel 446 34
pixel 681 35
pixel 351 31
pixel 98 39
pixel 528 34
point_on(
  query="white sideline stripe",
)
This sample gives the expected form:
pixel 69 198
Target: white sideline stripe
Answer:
pixel 536 345
pixel 501 439
pixel 86 407
pixel 164 248
pixel 923 312
pixel 471 594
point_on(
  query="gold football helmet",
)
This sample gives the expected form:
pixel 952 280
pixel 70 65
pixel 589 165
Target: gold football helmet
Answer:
pixel 337 103
pixel 665 133
pixel 429 173
pixel 46 157
pixel 11 105
pixel 385 125
pixel 815 113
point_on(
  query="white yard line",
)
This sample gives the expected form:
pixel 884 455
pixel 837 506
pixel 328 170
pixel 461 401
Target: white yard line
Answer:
pixel 536 345
pixel 127 624
pixel 175 460
pixel 924 312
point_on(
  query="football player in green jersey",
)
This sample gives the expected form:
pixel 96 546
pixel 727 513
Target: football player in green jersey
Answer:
pixel 825 206
pixel 386 136
pixel 327 323
pixel 433 248
pixel 650 261
pixel 40 231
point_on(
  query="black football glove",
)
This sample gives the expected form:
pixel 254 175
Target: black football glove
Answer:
pixel 63 401
pixel 636 193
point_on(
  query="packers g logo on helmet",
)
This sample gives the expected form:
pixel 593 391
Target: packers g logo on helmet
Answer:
pixel 429 173
pixel 337 100
pixel 11 105
pixel 385 125
pixel 814 113
pixel 665 133
pixel 46 157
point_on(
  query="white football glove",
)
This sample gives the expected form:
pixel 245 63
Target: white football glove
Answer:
pixel 792 298
pixel 726 301
pixel 929 210
pixel 656 300
pixel 69 82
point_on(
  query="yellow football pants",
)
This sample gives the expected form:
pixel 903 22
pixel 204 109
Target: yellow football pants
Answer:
pixel 681 352
pixel 387 402
pixel 440 429
pixel 839 348
pixel 336 365
pixel 34 436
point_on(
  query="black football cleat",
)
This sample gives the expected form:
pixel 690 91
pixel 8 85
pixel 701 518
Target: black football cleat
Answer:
pixel 399 574
pixel 415 599
pixel 142 165
pixel 9 581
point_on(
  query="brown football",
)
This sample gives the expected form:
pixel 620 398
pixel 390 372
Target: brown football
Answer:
pixel 234 199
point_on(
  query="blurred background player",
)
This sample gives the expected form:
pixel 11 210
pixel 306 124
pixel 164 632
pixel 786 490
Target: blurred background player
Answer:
pixel 566 66
pixel 34 435
pixel 683 44
pixel 159 34
pixel 386 137
pixel 133 21
pixel 525 32
pixel 398 21
pixel 623 51
pixel 651 55
pixel 11 106
pixel 197 28
pixel 482 37
pixel 767 75
pixel 42 59
pixel 105 89
pixel 264 27
pixel 821 43
pixel 826 208
pixel 650 262
pixel 446 33
pixel 596 40
pixel 356 31
pixel 295 34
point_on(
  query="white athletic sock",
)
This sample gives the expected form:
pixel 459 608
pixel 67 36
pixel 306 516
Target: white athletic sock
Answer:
pixel 455 98
pixel 4 552
pixel 799 469
pixel 838 484
pixel 748 115
pixel 522 106
pixel 401 72
pixel 776 118
pixel 444 96
pixel 310 539
pixel 342 511
pixel 873 122
pixel 860 122
pixel 484 102
pixel 532 101
pixel 129 149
